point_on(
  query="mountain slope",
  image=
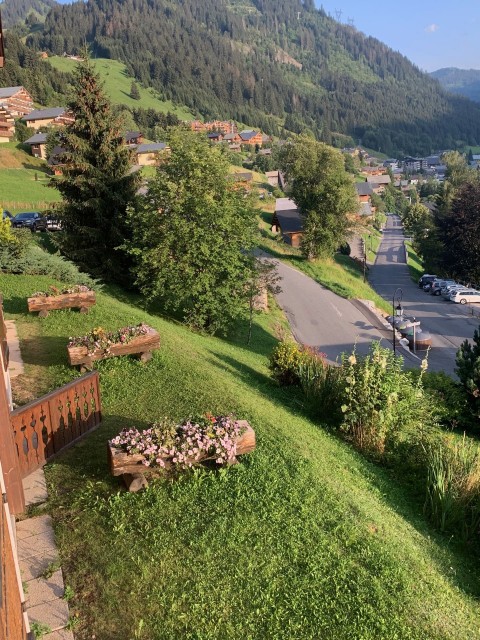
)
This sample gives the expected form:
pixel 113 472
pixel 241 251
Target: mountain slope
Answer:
pixel 15 11
pixel 270 63
pixel 464 82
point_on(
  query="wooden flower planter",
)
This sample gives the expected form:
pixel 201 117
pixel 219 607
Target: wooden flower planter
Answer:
pixel 140 345
pixel 135 473
pixel 82 301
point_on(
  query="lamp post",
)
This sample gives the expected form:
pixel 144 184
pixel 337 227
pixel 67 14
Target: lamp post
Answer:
pixel 397 312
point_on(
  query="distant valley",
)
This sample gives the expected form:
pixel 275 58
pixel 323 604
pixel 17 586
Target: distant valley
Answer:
pixel 464 82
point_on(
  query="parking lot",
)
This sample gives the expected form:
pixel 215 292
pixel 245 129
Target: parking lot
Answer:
pixel 449 323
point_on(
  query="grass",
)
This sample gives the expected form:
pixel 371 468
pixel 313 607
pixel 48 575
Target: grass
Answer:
pixel 118 84
pixel 414 262
pixel 23 180
pixel 373 239
pixel 340 274
pixel 303 539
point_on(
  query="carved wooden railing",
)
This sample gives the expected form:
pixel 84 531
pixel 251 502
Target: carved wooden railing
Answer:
pixel 48 425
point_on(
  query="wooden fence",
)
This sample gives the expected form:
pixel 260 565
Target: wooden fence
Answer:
pixel 13 619
pixel 55 421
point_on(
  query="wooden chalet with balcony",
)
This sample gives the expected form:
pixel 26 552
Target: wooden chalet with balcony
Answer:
pixel 16 100
pixel 54 117
pixel 38 145
pixel 251 137
pixel 7 125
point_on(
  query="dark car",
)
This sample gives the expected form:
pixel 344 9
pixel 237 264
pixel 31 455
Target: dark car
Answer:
pixel 30 220
pixel 426 279
pixel 7 214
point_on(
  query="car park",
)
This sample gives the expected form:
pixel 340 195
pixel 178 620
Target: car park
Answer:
pixel 463 296
pixel 437 286
pixel 30 220
pixel 449 289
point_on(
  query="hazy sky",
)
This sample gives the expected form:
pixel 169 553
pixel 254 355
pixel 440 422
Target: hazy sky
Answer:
pixel 431 33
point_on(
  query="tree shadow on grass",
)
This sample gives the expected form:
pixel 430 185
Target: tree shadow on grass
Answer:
pixel 456 561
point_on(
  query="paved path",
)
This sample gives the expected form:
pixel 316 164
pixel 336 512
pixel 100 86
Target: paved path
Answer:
pixel 320 318
pixel 449 323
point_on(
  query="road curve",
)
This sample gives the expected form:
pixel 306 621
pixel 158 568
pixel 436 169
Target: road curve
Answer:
pixel 321 319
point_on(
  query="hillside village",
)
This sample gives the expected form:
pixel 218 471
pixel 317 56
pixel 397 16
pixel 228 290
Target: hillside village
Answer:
pixel 177 459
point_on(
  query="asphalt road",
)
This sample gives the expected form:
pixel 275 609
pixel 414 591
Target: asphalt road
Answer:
pixel 320 318
pixel 449 323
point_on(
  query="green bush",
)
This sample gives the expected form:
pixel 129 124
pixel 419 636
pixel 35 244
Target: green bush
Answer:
pixel 284 362
pixel 321 383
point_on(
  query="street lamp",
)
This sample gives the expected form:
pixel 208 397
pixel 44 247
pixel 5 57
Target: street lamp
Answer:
pixel 397 312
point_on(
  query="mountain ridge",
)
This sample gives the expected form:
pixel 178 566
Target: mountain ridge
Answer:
pixel 464 82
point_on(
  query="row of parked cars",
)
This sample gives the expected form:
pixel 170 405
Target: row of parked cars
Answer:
pixel 449 289
pixel 32 220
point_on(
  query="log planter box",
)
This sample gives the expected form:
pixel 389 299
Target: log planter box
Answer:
pixel 44 304
pixel 135 473
pixel 142 346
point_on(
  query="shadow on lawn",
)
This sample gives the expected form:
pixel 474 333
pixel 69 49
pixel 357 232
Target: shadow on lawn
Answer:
pixel 456 561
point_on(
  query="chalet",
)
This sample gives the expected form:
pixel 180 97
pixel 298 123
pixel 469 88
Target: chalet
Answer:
pixel 55 117
pixel 373 171
pixel 232 138
pixel 215 136
pixel 251 137
pixel 288 221
pixel 223 126
pixel 364 191
pixel 132 138
pixel 7 125
pixel 242 179
pixel 147 153
pixel 17 100
pixel 38 143
pixel 378 183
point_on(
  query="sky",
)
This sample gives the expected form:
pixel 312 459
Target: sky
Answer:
pixel 433 34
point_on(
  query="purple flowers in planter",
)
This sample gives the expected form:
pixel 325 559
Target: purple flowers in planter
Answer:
pixel 100 339
pixel 183 445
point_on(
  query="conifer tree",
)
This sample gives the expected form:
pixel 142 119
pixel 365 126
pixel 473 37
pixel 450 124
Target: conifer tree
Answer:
pixel 96 184
pixel 134 92
pixel 468 368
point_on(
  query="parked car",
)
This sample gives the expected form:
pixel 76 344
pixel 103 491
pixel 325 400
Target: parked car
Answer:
pixel 53 224
pixel 437 286
pixel 462 296
pixel 426 279
pixel 30 220
pixel 7 214
pixel 450 288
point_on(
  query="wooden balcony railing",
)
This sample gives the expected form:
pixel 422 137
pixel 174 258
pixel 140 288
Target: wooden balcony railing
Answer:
pixel 52 423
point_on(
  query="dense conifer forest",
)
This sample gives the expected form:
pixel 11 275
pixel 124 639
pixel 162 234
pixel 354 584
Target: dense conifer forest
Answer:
pixel 274 64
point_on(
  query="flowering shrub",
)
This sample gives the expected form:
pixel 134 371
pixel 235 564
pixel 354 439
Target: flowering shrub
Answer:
pixel 183 445
pixel 54 291
pixel 284 362
pixel 101 339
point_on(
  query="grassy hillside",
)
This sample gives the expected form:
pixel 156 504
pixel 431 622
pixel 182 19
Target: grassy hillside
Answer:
pixel 23 180
pixel 118 84
pixel 303 539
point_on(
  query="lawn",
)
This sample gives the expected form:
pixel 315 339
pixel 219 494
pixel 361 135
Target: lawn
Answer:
pixel 304 539
pixel 414 262
pixel 23 180
pixel 118 84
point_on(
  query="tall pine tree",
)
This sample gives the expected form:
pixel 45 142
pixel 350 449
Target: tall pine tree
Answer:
pixel 97 184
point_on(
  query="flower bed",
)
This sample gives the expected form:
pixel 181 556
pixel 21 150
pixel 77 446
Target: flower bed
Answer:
pixel 99 344
pixel 167 446
pixel 76 297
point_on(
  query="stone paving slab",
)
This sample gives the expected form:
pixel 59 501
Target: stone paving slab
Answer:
pixel 35 567
pixel 54 614
pixel 35 488
pixel 33 526
pixel 15 365
pixel 36 545
pixel 42 590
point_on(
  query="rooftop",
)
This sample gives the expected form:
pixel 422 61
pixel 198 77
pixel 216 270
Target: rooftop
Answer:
pixel 38 138
pixel 7 92
pixel 43 114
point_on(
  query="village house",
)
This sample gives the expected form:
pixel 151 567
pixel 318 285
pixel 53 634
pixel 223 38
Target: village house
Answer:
pixel 54 117
pixel 7 125
pixel 251 137
pixel 132 138
pixel 38 143
pixel 288 221
pixel 364 191
pixel 55 161
pixel 215 136
pixel 223 126
pixel 373 171
pixel 378 183
pixel 17 100
pixel 242 179
pixel 146 154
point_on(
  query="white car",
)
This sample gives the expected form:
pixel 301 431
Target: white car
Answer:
pixel 463 296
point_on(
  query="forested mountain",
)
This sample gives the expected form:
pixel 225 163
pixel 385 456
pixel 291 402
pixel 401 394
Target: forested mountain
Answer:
pixel 464 82
pixel 15 11
pixel 271 64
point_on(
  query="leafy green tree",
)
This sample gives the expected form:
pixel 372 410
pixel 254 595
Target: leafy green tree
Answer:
pixel 323 192
pixel 97 184
pixel 193 236
pixel 415 219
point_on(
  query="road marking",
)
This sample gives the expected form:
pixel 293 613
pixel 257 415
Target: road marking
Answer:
pixel 337 310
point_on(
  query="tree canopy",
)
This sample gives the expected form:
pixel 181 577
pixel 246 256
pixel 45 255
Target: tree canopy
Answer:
pixel 322 190
pixel 193 235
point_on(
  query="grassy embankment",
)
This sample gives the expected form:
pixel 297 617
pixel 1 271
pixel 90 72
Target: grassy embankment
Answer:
pixel 118 84
pixel 303 539
pixel 23 180
pixel 414 262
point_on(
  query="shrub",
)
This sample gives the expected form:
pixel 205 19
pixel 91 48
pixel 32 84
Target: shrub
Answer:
pixel 453 486
pixel 284 362
pixel 321 383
